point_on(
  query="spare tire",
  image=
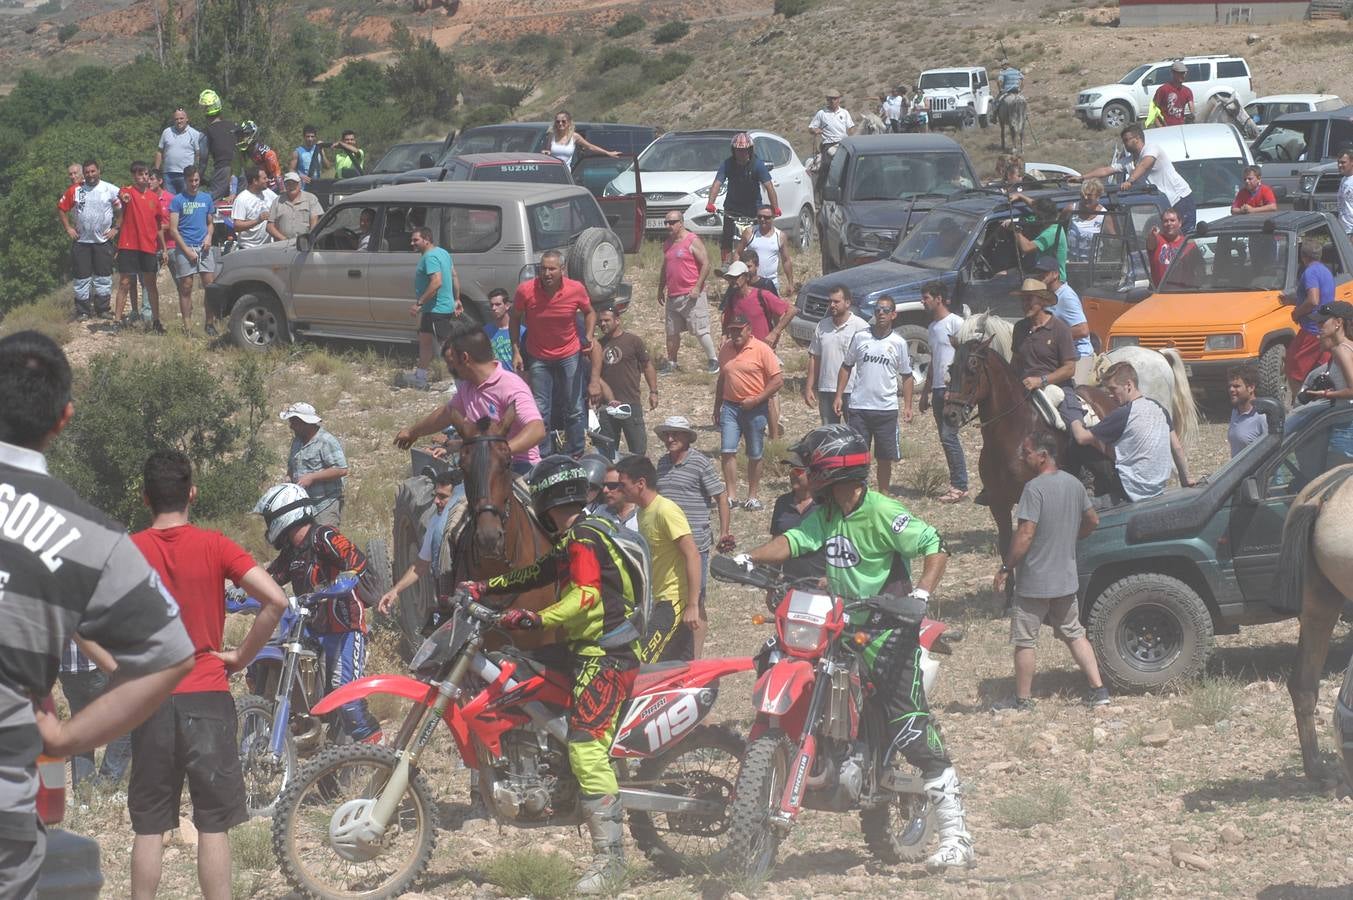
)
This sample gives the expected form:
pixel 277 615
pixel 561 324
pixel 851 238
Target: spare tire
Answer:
pixel 597 259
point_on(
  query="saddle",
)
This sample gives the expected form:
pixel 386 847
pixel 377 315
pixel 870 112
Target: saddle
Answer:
pixel 1047 400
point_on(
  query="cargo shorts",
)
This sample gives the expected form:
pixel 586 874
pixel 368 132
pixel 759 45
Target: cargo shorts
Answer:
pixel 1027 615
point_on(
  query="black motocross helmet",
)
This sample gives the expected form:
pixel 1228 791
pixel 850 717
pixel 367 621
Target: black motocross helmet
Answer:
pixel 556 480
pixel 831 454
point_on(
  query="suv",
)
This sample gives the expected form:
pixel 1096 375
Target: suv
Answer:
pixel 341 281
pixel 880 185
pixel 1266 109
pixel 966 245
pixel 1298 143
pixel 960 97
pixel 1160 577
pixel 1320 189
pixel 399 158
pixel 1227 297
pixel 1115 106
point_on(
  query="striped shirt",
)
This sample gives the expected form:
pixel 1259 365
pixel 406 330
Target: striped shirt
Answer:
pixel 692 484
pixel 73 661
pixel 64 568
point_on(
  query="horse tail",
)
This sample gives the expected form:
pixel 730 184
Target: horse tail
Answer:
pixel 1298 528
pixel 1185 410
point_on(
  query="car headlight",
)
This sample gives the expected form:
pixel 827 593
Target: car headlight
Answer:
pixel 1223 342
pixel 1308 183
pixel 702 193
pixel 336 198
pixel 1088 98
pixel 877 241
pixel 1123 340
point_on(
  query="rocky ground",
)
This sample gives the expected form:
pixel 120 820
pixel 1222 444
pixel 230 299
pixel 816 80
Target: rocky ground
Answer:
pixel 1196 792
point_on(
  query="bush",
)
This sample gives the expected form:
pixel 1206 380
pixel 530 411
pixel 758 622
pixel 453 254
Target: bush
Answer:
pixel 549 49
pixel 668 67
pixel 530 873
pixel 613 56
pixel 671 32
pixel 487 114
pixel 791 8
pixel 1046 805
pixel 626 25
pixel 67 31
pixel 130 407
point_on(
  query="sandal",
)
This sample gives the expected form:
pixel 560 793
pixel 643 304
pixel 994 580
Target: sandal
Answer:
pixel 953 496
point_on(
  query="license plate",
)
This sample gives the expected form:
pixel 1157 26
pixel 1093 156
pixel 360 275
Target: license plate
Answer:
pixel 654 223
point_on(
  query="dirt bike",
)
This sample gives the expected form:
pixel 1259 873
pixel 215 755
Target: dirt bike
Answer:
pixel 363 819
pixel 275 725
pixel 815 744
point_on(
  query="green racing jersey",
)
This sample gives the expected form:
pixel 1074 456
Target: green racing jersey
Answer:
pixel 866 549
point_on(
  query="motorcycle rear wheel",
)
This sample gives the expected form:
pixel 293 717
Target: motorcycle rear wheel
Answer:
pixel 899 831
pixel 704 765
pixel 300 831
pixel 753 843
pixel 265 777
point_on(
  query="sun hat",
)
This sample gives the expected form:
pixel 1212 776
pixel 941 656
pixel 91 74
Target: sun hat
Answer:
pixel 292 176
pixel 734 269
pixel 303 411
pixel 675 423
pixel 1032 287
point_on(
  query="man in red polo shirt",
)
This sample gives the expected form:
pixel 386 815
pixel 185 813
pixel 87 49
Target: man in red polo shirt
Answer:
pixel 548 305
pixel 140 244
pixel 1254 196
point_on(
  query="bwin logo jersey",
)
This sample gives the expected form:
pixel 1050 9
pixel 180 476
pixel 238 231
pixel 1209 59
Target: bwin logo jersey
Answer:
pixel 841 552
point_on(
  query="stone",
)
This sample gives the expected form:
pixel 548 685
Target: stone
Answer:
pixel 1158 735
pixel 1114 834
pixel 1230 834
pixel 1100 735
pixel 734 895
pixel 1184 855
pixel 1251 38
pixel 187 832
pixel 856 871
pixel 858 884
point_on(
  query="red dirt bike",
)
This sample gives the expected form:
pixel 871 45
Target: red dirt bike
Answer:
pixel 361 820
pixel 815 744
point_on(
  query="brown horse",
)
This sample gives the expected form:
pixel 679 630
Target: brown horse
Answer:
pixel 1317 577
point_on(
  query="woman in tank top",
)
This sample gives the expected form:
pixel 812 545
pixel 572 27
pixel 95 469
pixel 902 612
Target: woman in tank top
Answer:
pixel 1334 338
pixel 565 142
pixel 1087 220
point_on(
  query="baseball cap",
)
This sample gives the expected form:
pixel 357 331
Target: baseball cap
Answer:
pixel 303 411
pixel 1179 66
pixel 734 269
pixel 1046 263
pixel 737 320
pixel 832 92
pixel 1341 308
pixel 292 176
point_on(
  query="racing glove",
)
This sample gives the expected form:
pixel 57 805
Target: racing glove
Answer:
pixel 777 212
pixel 520 620
pixel 476 589
pixel 709 207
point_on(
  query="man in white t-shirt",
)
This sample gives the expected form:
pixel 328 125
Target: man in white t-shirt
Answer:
pixel 251 209
pixel 942 333
pixel 831 125
pixel 91 213
pixel 881 365
pixel 827 351
pixel 1148 162
pixel 1346 190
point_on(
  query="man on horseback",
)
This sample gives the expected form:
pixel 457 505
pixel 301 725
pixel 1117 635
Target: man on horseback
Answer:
pixel 1044 350
pixel 1010 81
pixel 597 592
pixel 870 540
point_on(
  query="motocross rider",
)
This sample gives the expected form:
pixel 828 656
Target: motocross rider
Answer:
pixel 312 556
pixel 253 151
pixel 869 539
pixel 596 600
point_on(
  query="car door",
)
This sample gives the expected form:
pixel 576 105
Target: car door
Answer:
pixel 1256 529
pixel 329 280
pixel 832 219
pixel 1287 150
pixel 1116 276
pixel 624 210
pixel 392 265
pixel 990 272
pixel 1146 86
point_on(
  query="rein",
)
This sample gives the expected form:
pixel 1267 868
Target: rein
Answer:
pixel 970 410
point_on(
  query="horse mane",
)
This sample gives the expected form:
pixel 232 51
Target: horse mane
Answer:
pixel 989 326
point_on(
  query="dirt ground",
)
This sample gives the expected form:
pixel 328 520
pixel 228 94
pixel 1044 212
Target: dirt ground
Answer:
pixel 1197 792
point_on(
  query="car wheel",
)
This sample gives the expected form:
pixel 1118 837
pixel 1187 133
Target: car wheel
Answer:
pixel 1117 115
pixel 1272 373
pixel 806 226
pixel 918 348
pixel 258 323
pixel 597 259
pixel 1150 631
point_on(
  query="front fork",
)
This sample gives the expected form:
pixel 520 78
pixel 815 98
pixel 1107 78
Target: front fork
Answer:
pixel 802 763
pixel 281 720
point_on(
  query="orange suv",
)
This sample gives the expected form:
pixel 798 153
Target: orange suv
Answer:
pixel 1227 298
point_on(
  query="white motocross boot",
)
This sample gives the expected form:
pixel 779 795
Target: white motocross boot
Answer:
pixel 955 850
pixel 606 874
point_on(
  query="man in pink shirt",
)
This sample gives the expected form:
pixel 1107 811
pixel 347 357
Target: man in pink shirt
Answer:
pixel 548 305
pixel 681 291
pixel 484 389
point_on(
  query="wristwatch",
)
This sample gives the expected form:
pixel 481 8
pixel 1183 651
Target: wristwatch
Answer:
pixel 1045 381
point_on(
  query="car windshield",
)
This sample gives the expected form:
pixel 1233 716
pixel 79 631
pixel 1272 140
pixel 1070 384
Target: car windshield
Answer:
pixel 555 222
pixel 936 242
pixel 1214 181
pixel 530 170
pixel 403 157
pixel 685 154
pixel 494 140
pixel 1131 77
pixel 1229 262
pixel 932 80
pixel 903 176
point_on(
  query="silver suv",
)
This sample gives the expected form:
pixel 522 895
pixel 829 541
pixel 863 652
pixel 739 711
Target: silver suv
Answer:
pixel 352 276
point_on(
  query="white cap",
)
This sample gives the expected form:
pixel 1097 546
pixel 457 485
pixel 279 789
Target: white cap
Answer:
pixel 292 176
pixel 303 411
pixel 734 269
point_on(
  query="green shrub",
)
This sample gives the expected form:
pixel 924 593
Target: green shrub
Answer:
pixel 1038 806
pixel 626 25
pixel 50 8
pixel 487 114
pixel 548 49
pixel 668 67
pixel 791 8
pixel 67 31
pixel 671 32
pixel 530 873
pixel 129 407
pixel 614 55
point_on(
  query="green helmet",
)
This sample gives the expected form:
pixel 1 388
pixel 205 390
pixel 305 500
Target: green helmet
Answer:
pixel 210 101
pixel 556 480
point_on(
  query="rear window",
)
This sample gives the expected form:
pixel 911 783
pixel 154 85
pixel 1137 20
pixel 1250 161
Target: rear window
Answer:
pixel 495 140
pixel 534 172
pixel 1234 68
pixel 554 223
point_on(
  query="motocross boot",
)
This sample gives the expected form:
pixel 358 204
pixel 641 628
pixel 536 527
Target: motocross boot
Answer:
pixel 607 871
pixel 955 849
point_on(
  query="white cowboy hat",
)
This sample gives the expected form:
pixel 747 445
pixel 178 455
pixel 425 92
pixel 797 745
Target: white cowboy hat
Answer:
pixel 303 411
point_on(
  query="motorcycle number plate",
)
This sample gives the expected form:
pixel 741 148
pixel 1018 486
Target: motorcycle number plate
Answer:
pixel 652 723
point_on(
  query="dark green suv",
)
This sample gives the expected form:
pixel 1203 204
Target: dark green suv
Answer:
pixel 1160 578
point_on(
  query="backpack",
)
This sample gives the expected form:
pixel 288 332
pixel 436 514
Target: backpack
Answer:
pixel 638 561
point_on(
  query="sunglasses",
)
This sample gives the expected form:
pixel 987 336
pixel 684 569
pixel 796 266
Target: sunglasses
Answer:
pixel 610 485
pixel 672 221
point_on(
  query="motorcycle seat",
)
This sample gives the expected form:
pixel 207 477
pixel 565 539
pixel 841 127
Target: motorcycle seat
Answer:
pixel 650 674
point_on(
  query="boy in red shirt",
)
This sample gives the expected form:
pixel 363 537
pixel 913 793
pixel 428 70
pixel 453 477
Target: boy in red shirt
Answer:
pixel 549 305
pixel 140 243
pixel 192 734
pixel 1255 196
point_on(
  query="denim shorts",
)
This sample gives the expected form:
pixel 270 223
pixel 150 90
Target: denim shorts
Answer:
pixel 735 423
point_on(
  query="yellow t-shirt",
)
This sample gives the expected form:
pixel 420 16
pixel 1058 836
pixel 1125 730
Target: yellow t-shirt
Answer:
pixel 661 524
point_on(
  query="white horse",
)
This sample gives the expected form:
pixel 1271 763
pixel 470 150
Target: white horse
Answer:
pixel 872 124
pixel 1160 373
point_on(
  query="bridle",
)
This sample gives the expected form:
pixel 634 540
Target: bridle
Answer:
pixel 978 357
pixel 484 505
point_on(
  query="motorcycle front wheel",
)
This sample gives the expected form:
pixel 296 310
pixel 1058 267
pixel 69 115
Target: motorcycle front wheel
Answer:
pixel 752 841
pixel 900 830
pixel 331 788
pixel 265 774
pixel 703 766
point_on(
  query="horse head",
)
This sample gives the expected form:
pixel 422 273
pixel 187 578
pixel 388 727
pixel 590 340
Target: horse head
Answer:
pixel 486 460
pixel 969 380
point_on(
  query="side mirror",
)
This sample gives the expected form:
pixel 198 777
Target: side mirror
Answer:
pixel 1280 193
pixel 1249 491
pixel 1273 415
pixel 304 242
pixel 426 161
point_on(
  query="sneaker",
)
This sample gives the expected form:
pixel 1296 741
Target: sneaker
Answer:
pixel 1098 697
pixel 1018 704
pixel 752 505
pixel 712 368
pixel 211 330
pixel 667 367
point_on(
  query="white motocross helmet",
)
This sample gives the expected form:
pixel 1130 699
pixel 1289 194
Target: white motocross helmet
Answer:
pixel 283 506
